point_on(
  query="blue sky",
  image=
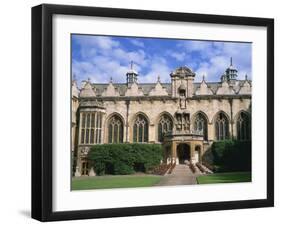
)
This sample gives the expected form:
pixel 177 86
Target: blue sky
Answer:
pixel 102 57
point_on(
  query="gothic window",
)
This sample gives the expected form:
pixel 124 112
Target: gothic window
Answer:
pixel 165 125
pixel 90 131
pixel 243 127
pixel 201 126
pixel 140 129
pixel 222 127
pixel 115 130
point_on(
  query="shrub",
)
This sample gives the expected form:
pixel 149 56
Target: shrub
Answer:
pixel 124 158
pixel 208 156
pixel 161 169
pixel 219 148
pixel 238 157
pixel 232 155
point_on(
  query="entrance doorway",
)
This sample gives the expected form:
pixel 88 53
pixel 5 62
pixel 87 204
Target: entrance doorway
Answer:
pixel 183 153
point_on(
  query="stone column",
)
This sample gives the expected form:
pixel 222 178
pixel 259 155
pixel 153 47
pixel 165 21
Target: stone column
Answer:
pixel 103 125
pixel 231 118
pixel 200 154
pixel 192 152
pixel 174 151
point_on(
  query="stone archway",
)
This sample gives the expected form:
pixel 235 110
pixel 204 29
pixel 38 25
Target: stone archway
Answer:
pixel 183 153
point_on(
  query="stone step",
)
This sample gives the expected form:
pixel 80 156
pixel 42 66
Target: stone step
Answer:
pixel 206 169
pixel 198 171
pixel 184 169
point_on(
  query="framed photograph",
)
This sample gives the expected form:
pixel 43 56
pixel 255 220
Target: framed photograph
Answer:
pixel 146 112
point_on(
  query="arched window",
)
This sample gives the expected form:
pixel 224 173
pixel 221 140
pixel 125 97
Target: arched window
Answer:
pixel 115 130
pixel 165 125
pixel 201 125
pixel 140 129
pixel 243 127
pixel 222 127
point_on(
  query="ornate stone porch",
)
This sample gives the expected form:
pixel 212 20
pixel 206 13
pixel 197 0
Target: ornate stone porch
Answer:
pixel 182 148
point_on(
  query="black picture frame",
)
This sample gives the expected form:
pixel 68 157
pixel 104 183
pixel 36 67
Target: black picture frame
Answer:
pixel 42 111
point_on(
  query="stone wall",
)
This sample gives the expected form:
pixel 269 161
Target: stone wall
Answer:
pixel 153 110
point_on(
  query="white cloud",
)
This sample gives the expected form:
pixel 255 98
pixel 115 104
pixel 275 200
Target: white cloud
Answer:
pixel 204 49
pixel 213 69
pixel 100 74
pixel 212 58
pixel 178 56
pixel 104 57
pixel 102 42
pixel 158 67
pixel 138 57
pixel 137 43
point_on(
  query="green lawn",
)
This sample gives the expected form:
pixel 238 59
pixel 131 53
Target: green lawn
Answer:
pixel 126 181
pixel 233 177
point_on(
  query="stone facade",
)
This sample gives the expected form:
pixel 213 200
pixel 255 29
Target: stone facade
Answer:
pixel 184 116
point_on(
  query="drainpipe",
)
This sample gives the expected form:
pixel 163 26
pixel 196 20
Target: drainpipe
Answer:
pixel 231 117
pixel 127 119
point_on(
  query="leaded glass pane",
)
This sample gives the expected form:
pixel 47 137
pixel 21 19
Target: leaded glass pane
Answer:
pixel 87 136
pixel 145 139
pixel 93 124
pixel 140 129
pixel 99 137
pixel 92 136
pixel 110 130
pixel 164 126
pixel 88 120
pixel 222 127
pixel 243 127
pixel 135 133
pixel 121 134
pixel 83 120
pixel 201 126
pixel 140 138
pixel 115 133
pixel 115 130
pixel 82 136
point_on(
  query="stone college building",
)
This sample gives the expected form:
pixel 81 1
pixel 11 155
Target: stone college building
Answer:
pixel 184 116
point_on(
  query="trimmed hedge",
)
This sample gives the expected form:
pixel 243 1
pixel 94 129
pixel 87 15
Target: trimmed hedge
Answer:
pixel 121 159
pixel 231 155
